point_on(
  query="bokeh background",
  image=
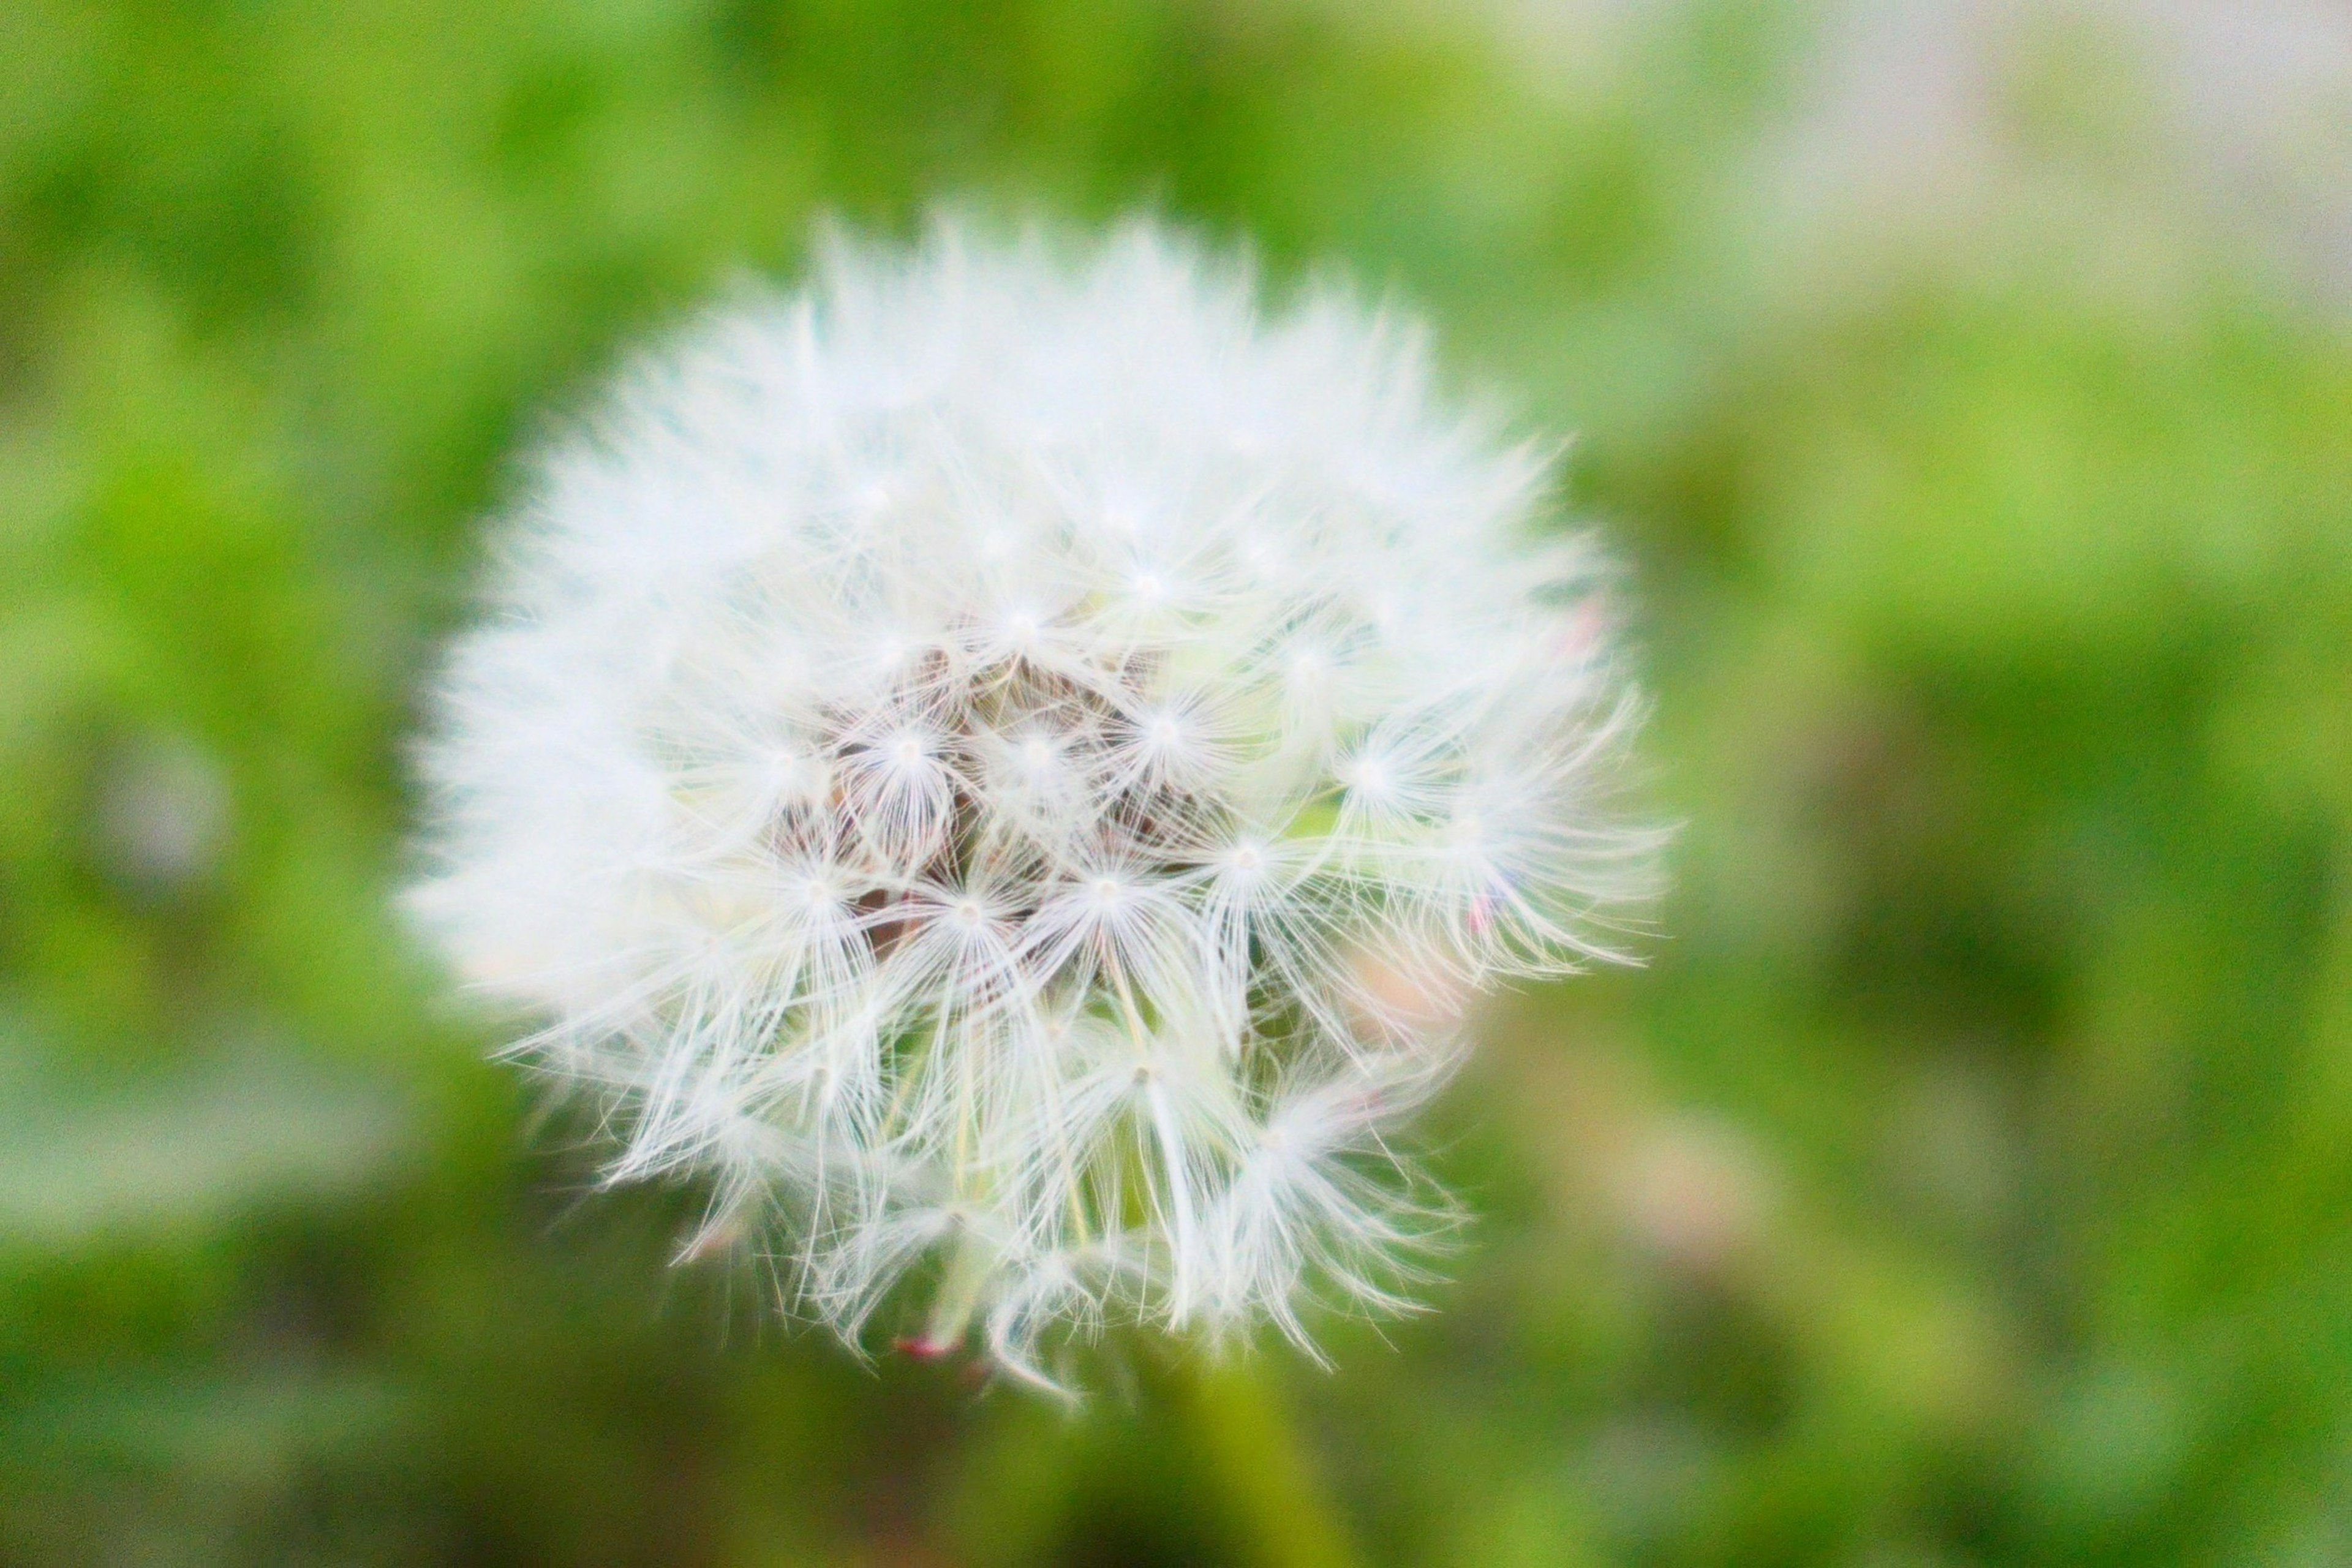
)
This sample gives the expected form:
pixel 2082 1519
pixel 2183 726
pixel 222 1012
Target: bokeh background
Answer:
pixel 1967 386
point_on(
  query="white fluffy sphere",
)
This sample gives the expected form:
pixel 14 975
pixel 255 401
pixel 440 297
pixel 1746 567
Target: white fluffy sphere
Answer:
pixel 1010 763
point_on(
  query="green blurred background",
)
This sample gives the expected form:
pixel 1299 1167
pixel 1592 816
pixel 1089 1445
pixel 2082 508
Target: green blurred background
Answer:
pixel 1966 1180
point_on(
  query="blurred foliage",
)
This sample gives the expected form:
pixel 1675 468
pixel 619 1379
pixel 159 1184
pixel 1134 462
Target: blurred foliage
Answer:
pixel 1966 1181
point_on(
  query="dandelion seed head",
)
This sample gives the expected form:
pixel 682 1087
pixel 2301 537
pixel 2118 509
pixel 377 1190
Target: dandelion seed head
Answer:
pixel 990 759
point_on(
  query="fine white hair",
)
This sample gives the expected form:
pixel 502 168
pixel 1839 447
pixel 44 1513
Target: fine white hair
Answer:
pixel 1009 760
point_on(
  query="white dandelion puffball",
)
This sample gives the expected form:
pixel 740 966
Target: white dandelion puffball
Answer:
pixel 1009 762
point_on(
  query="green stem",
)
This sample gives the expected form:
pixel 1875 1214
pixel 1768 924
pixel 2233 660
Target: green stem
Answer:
pixel 1247 1437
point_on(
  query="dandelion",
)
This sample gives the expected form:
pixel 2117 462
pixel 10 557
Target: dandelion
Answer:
pixel 1008 763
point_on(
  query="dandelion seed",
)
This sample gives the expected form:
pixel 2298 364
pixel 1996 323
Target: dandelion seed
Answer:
pixel 1007 762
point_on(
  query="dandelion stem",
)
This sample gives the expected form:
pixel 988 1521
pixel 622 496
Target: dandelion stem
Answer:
pixel 1250 1440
